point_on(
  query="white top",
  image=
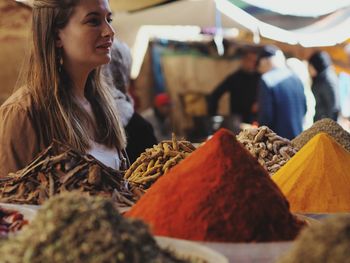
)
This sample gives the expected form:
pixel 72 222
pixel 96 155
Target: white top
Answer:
pixel 108 156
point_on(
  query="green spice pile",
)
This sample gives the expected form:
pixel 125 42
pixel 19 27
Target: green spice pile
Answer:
pixel 326 242
pixel 325 125
pixel 76 228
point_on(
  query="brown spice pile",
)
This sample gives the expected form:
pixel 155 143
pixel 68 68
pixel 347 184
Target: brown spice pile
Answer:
pixel 325 125
pixel 72 228
pixel 325 242
pixel 271 150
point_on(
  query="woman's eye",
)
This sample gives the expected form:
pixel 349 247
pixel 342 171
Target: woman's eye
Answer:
pixel 94 22
pixel 109 20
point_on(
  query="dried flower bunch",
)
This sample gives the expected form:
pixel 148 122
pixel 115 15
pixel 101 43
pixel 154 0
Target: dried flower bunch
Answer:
pixel 10 221
pixel 58 169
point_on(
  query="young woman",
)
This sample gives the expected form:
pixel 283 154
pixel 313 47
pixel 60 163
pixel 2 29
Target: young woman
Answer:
pixel 63 97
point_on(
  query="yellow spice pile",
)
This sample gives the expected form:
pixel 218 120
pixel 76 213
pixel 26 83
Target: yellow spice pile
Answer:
pixel 317 178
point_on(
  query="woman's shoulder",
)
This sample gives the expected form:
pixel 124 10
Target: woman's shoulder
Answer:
pixel 20 101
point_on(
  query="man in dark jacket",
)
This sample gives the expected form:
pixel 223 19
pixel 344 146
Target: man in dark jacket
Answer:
pixel 281 99
pixel 324 86
pixel 242 86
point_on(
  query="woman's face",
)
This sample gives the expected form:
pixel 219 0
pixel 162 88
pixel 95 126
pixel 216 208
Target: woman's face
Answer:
pixel 87 38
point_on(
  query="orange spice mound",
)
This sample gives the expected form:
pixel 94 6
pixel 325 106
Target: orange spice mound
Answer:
pixel 317 178
pixel 218 193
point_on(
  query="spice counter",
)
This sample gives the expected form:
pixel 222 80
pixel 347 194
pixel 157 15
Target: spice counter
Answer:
pixel 200 198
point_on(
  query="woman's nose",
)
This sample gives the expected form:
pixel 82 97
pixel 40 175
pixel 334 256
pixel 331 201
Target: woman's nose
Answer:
pixel 108 30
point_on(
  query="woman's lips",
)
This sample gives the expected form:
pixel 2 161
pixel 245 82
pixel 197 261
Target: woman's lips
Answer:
pixel 106 45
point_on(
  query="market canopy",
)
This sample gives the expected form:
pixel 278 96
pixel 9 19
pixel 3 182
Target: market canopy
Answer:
pixel 330 30
pixel 300 7
pixel 124 5
pixel 135 27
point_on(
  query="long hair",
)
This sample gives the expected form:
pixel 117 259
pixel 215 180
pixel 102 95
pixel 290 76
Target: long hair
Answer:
pixel 51 86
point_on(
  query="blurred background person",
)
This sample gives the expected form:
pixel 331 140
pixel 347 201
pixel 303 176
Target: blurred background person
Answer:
pixel 160 116
pixel 300 69
pixel 242 86
pixel 344 98
pixel 281 99
pixel 139 132
pixel 324 86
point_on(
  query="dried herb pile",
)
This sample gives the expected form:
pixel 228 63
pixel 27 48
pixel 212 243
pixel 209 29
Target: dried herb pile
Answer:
pixel 10 221
pixel 72 228
pixel 218 193
pixel 58 169
pixel 326 242
pixel 317 178
pixel 271 150
pixel 325 125
pixel 156 161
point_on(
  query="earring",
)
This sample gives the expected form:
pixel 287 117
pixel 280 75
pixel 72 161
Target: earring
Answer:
pixel 60 60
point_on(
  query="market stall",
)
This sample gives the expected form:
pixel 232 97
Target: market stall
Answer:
pixel 250 196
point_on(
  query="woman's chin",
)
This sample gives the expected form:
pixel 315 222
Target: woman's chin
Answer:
pixel 102 60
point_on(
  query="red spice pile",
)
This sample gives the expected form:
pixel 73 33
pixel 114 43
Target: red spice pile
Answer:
pixel 218 193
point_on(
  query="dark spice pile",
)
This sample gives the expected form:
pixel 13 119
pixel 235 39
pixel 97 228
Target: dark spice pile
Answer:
pixel 218 193
pixel 58 169
pixel 10 221
pixel 325 242
pixel 73 228
pixel 328 126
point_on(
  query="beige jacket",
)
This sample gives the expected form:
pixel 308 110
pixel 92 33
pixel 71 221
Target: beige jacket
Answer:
pixel 20 141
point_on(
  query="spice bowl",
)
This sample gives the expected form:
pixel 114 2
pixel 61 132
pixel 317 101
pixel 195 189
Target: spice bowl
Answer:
pixel 322 216
pixel 13 218
pixel 307 219
pixel 190 250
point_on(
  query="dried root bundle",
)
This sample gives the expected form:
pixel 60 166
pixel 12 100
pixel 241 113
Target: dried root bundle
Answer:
pixel 156 161
pixel 51 173
pixel 271 150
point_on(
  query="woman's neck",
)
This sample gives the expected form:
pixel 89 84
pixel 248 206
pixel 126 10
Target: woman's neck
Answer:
pixel 78 86
pixel 78 75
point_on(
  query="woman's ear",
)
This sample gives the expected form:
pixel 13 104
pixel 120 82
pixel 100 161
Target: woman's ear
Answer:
pixel 58 41
pixel 58 44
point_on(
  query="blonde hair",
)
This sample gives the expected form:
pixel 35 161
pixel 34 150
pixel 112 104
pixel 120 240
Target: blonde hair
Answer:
pixel 51 87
